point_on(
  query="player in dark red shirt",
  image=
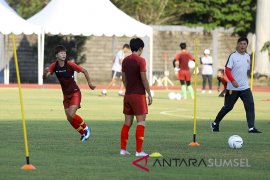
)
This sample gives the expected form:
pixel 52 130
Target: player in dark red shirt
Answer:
pixel 64 71
pixel 136 83
pixel 183 57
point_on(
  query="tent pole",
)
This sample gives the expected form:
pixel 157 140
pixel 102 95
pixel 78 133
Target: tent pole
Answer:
pixel 151 58
pixel 41 38
pixel 39 52
pixel 6 61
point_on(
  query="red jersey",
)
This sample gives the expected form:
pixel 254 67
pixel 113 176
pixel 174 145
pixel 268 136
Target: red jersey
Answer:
pixel 132 66
pixel 183 57
pixel 65 75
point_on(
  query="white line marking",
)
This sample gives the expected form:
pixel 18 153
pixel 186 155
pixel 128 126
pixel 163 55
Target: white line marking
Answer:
pixel 174 113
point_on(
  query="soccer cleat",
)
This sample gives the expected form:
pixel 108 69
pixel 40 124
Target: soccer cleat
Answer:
pixel 215 127
pixel 221 95
pixel 87 133
pixel 124 152
pixel 254 130
pixel 82 137
pixel 141 154
pixel 203 91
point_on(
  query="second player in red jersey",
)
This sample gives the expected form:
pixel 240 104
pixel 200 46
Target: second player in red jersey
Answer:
pixel 183 57
pixel 64 71
pixel 136 84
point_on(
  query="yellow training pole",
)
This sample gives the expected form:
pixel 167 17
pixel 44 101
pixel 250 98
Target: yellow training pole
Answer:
pixel 27 165
pixel 194 142
pixel 252 69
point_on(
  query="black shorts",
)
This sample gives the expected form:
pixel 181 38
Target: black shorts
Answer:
pixel 116 74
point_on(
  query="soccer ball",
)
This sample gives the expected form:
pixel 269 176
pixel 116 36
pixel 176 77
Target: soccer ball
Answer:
pixel 178 96
pixel 191 64
pixel 172 96
pixel 121 93
pixel 235 142
pixel 104 92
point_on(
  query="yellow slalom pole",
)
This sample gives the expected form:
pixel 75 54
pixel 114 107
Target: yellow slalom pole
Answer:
pixel 27 165
pixel 194 142
pixel 252 69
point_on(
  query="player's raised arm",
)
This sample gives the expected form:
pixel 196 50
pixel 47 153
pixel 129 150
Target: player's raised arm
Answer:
pixel 86 74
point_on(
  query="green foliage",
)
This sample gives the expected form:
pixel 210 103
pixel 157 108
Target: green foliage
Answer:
pixel 27 8
pixel 153 11
pixel 237 14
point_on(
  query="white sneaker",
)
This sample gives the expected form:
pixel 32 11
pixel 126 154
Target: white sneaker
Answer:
pixel 203 91
pixel 141 154
pixel 87 133
pixel 210 91
pixel 124 152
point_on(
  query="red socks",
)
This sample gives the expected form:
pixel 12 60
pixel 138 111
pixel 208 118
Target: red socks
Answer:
pixel 78 124
pixel 139 137
pixel 124 136
pixel 80 121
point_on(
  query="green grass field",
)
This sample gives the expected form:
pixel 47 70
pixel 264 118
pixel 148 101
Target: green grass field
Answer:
pixel 57 153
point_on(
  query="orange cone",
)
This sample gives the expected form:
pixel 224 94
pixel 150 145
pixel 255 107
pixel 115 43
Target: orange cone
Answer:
pixel 28 167
pixel 194 144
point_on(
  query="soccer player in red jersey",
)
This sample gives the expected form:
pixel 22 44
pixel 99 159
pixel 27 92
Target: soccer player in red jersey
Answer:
pixel 183 57
pixel 136 83
pixel 64 70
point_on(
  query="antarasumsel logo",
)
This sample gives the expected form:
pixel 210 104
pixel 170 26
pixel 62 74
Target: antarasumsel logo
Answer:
pixel 192 162
pixel 145 159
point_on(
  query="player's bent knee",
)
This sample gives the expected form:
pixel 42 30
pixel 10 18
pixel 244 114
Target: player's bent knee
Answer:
pixel 70 116
pixel 227 108
pixel 141 123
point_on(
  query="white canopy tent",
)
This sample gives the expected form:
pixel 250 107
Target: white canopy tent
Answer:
pixel 11 22
pixel 89 17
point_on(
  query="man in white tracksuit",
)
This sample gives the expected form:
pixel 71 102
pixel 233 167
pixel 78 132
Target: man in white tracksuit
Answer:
pixel 236 70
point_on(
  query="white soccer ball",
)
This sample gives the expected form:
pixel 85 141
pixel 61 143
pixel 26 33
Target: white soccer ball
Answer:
pixel 235 142
pixel 191 64
pixel 178 96
pixel 172 96
pixel 104 92
pixel 121 93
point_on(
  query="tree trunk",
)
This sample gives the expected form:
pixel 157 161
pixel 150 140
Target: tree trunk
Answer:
pixel 262 64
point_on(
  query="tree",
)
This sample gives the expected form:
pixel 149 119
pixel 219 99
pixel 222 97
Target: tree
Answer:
pixel 239 14
pixel 154 11
pixel 27 8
